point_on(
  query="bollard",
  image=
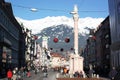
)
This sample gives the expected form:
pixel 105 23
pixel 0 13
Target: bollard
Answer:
pixel 94 75
pixel 84 76
pixel 71 75
pixel 97 75
pixel 57 75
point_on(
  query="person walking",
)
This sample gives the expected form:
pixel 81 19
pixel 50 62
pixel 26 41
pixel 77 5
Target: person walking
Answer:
pixel 9 74
pixel 91 72
pixel 28 74
pixel 65 70
pixel 45 72
pixel 76 74
pixel 81 74
pixel 14 77
pixel 112 73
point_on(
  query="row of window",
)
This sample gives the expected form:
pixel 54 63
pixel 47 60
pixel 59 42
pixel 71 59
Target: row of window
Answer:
pixel 116 59
pixel 9 31
pixel 8 25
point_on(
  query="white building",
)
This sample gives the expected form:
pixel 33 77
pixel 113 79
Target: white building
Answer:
pixel 57 60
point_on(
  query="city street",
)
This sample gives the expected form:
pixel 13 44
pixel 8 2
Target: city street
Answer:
pixel 79 45
pixel 51 76
pixel 39 76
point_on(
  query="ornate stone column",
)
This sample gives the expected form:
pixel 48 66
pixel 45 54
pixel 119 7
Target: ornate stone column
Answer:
pixel 76 61
pixel 75 18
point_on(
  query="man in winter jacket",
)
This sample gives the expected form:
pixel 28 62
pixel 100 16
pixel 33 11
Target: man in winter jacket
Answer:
pixel 112 73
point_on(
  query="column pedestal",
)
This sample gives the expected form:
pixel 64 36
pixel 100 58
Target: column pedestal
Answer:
pixel 76 63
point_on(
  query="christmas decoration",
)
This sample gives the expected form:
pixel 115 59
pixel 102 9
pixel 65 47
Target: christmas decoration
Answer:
pixel 55 40
pixel 67 40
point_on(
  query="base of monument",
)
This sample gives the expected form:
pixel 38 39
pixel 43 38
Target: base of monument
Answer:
pixel 76 63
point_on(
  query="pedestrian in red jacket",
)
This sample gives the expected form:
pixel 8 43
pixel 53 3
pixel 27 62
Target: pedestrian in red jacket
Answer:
pixel 28 74
pixel 9 74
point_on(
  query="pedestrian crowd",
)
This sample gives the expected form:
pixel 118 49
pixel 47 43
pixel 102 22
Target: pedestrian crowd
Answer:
pixel 18 74
pixel 92 72
pixel 65 72
pixel 78 74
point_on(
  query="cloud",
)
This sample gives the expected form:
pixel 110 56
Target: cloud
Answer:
pixel 37 25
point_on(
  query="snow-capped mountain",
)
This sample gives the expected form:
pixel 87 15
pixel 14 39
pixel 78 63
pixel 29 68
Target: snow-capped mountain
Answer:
pixel 61 32
pixel 37 25
pixel 60 27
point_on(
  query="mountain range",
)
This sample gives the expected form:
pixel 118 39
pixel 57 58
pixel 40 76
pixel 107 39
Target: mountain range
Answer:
pixel 61 32
pixel 60 27
pixel 39 24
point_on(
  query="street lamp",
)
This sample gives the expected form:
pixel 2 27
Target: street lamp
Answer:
pixel 33 10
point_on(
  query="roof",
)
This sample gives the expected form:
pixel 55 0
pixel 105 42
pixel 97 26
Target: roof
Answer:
pixel 55 55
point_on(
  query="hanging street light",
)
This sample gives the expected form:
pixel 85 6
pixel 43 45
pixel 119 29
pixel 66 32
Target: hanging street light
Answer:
pixel 34 9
